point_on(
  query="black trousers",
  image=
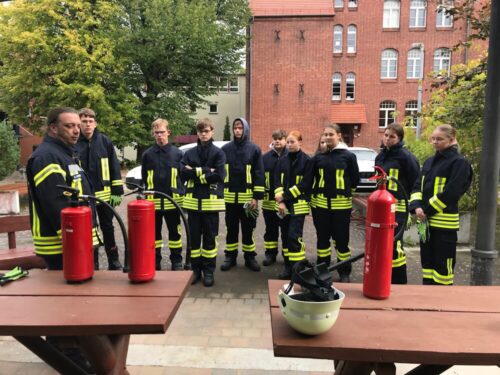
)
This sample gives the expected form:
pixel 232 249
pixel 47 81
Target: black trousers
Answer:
pixel 438 256
pixel 173 220
pixel 273 226
pixel 54 262
pixel 204 229
pixel 399 275
pixel 333 225
pixel 235 215
pixel 105 216
pixel 294 229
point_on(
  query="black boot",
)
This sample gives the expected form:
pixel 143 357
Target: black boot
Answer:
pixel 252 264
pixel 270 259
pixel 286 272
pixel 96 258
pixel 196 275
pixel 208 278
pixel 326 260
pixel 113 261
pixel 229 262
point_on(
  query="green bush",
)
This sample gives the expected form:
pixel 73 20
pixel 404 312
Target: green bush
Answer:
pixel 10 150
pixel 227 131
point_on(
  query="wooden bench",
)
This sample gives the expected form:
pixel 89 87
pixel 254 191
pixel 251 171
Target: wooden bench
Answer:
pixel 14 256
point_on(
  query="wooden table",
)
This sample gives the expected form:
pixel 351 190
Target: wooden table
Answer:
pixel 101 314
pixel 436 326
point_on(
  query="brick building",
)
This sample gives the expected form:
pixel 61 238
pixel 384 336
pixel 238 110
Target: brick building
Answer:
pixel 355 63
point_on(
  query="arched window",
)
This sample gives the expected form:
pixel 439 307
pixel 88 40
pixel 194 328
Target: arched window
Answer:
pixel 442 60
pixel 337 86
pixel 418 13
pixel 389 64
pixel 414 66
pixel 391 14
pixel 386 113
pixel 351 38
pixel 411 110
pixel 350 85
pixel 337 38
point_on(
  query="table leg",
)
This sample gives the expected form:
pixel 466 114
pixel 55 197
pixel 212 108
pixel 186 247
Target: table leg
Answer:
pixel 107 354
pixel 50 355
pixel 364 368
pixel 429 370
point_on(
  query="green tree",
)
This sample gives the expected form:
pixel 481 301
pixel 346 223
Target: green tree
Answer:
pixel 227 130
pixel 10 150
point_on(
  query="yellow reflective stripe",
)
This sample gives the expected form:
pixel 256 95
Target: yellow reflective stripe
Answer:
pixel 300 255
pixel 321 183
pixel 195 253
pixel 190 203
pixel 249 174
pixel 416 196
pixel 401 257
pixel 439 183
pixel 285 253
pixel 35 224
pixel 175 244
pixel 105 169
pixel 444 279
pixel 47 171
pixel 339 177
pixel 278 190
pixel 446 221
pixel 226 167
pixel 167 205
pixel 301 207
pixel 158 243
pixel 437 203
pixel 117 183
pixel 213 204
pixel 232 246
pixel 341 203
pixel 294 190
pixel 267 182
pixel 77 184
pixel 392 185
pixel 422 183
pixel 270 244
pixel 282 177
pixel 173 178
pixel 209 253
pixel 269 205
pixel 258 189
pixel 248 248
pixel 203 179
pixel 400 206
pixel 198 171
pixel 427 273
pixel 150 179
pixel 324 252
pixel 343 256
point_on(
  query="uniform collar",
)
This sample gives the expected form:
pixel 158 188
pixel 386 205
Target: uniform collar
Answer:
pixel 449 152
pixel 70 150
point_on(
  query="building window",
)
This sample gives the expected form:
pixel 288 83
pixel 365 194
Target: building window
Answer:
pixel 389 66
pixel 411 111
pixel 233 85
pixel 386 113
pixel 337 39
pixel 391 14
pixel 339 3
pixel 352 4
pixel 213 108
pixel 336 86
pixel 442 60
pixel 415 64
pixel 350 85
pixel 418 13
pixel 443 18
pixel 351 39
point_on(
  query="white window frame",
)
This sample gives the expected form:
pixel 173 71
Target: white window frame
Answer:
pixel 387 107
pixel 339 4
pixel 443 18
pixel 232 88
pixel 391 14
pixel 352 31
pixel 216 108
pixel 337 80
pixel 418 13
pixel 350 82
pixel 338 31
pixel 411 110
pixel 389 64
pixel 442 60
pixel 415 64
pixel 352 3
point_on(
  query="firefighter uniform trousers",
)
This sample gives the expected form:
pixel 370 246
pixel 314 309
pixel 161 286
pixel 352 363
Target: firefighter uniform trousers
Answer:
pixel 273 226
pixel 438 266
pixel 173 220
pixel 204 229
pixel 235 214
pixel 333 224
pixel 398 254
pixel 294 229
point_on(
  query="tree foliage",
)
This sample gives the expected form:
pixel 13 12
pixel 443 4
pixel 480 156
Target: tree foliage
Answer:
pixel 227 130
pixel 10 150
pixel 130 60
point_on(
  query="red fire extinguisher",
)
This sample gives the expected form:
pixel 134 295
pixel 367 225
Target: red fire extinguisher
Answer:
pixel 141 238
pixel 379 238
pixel 76 229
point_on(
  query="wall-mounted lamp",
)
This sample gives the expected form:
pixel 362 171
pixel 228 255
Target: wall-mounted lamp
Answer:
pixel 277 35
pixel 302 37
pixel 276 88
pixel 301 89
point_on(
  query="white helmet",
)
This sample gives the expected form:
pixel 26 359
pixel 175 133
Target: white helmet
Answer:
pixel 309 317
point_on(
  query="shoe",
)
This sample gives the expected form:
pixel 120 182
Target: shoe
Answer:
pixel 345 279
pixel 177 266
pixel 270 259
pixel 113 261
pixel 228 263
pixel 252 264
pixel 77 357
pixel 196 277
pixel 208 278
pixel 285 274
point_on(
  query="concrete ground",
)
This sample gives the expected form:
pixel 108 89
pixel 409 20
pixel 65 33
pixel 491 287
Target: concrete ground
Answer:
pixel 225 330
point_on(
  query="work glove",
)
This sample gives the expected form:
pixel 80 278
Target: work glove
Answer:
pixel 115 200
pixel 14 274
pixel 250 212
pixel 423 230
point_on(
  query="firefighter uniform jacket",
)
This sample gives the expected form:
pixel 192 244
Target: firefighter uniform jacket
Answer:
pixel 335 177
pixel 98 158
pixel 292 181
pixel 244 169
pixel 52 163
pixel 401 164
pixel 444 178
pixel 270 160
pixel 204 186
pixel 161 172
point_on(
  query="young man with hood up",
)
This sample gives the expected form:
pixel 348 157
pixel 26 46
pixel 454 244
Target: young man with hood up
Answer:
pixel 244 186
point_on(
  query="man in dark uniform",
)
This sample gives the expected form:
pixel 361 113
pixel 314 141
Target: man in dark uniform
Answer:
pixel 98 158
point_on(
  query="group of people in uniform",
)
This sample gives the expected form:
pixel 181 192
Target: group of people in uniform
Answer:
pixel 207 180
